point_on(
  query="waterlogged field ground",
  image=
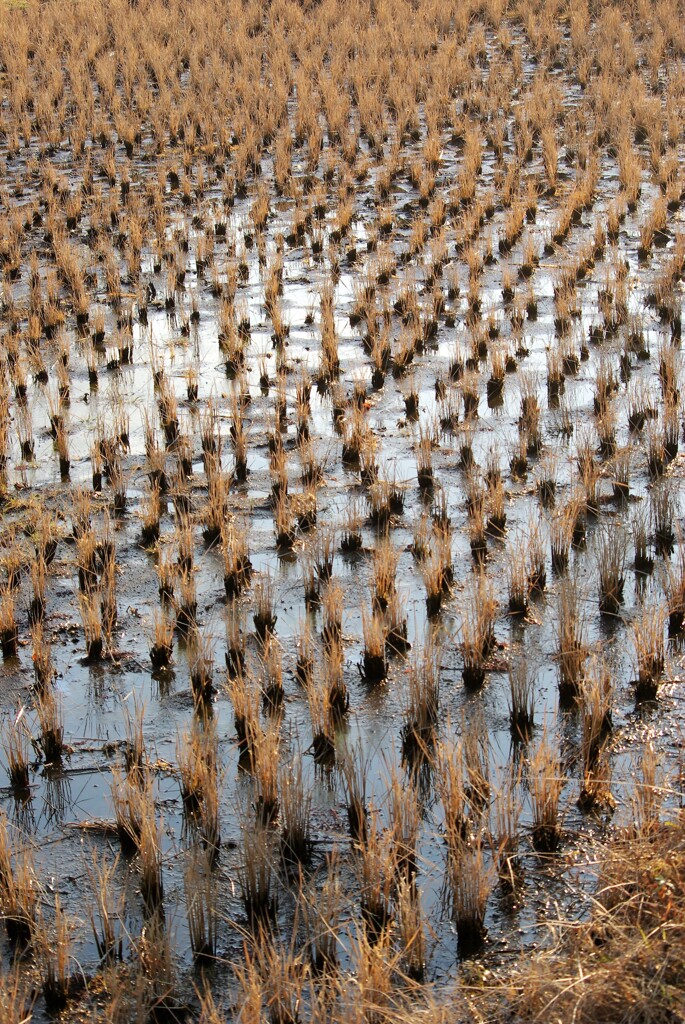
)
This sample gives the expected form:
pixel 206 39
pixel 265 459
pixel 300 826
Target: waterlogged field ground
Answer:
pixel 342 578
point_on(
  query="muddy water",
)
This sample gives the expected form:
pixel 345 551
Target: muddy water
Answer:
pixel 95 698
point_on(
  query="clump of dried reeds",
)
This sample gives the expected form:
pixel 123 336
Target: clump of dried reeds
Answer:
pixel 16 741
pixel 506 814
pixel 264 616
pixel 332 608
pixel 522 699
pixel 353 770
pixel 235 639
pixel 545 785
pixel 9 628
pixel 201 906
pixel 161 648
pixel 649 645
pixel 264 765
pixel 571 646
pixel 374 665
pixel 595 790
pixel 256 876
pixel 611 559
pixel 52 945
pixel 477 631
pixel 106 916
pixel 422 701
pixel 324 722
pixel 376 874
pixel 201 658
pixel 674 588
pixel 51 739
pixel 323 908
pixel 517 582
pixel 295 804
pixel 19 890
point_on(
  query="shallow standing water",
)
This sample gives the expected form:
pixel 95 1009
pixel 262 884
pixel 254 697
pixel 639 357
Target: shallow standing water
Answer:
pixel 64 811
